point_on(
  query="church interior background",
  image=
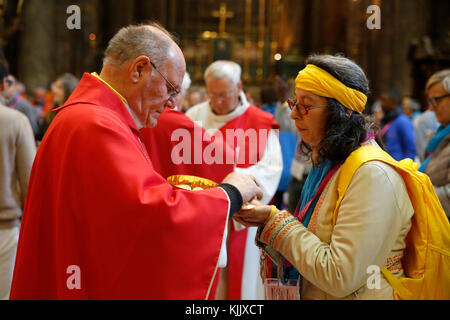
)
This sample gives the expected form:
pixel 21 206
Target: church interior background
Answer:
pixel 268 38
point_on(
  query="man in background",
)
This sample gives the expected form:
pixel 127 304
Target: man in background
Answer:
pixel 397 130
pixel 15 100
pixel 17 151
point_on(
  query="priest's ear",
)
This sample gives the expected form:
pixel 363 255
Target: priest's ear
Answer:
pixel 139 65
pixel 239 85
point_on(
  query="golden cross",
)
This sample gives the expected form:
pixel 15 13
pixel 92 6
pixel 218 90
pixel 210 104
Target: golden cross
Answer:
pixel 222 14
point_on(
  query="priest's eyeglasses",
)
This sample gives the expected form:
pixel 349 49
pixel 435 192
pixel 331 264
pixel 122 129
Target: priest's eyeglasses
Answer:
pixel 176 91
pixel 435 101
pixel 301 109
pixel 220 96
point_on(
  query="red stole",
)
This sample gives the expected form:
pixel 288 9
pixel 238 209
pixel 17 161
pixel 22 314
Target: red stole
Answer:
pixel 100 223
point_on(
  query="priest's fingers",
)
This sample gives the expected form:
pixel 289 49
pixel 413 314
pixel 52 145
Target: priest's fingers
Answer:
pixel 254 180
pixel 246 185
pixel 259 193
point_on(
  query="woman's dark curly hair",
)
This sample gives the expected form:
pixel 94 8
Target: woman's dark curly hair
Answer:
pixel 344 133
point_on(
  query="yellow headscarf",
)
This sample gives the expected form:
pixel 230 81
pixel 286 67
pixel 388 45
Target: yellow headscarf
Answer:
pixel 320 82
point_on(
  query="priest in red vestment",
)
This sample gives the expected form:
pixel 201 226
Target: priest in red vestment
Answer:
pixel 99 222
pixel 253 134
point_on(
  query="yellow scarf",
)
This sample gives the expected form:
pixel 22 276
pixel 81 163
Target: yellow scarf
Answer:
pixel 320 82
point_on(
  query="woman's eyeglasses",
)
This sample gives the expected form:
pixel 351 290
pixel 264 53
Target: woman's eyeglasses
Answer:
pixel 434 101
pixel 301 109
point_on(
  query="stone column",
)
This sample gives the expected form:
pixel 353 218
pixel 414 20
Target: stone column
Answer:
pixel 36 46
pixel 119 13
pixel 155 10
pixel 332 22
pixel 293 30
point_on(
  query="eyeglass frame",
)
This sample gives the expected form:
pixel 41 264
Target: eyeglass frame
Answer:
pixel 222 97
pixel 435 100
pixel 292 104
pixel 170 83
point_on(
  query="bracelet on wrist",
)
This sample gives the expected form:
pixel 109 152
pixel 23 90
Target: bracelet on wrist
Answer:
pixel 273 212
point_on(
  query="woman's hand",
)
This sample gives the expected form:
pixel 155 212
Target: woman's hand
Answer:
pixel 253 214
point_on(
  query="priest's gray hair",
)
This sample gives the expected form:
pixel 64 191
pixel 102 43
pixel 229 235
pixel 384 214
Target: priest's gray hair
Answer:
pixel 224 69
pixel 441 76
pixel 130 42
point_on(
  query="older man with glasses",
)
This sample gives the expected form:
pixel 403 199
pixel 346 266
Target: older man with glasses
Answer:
pixel 438 149
pixel 108 226
pixel 252 133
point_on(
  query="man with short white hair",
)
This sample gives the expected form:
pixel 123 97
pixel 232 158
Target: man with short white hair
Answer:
pixel 99 222
pixel 253 134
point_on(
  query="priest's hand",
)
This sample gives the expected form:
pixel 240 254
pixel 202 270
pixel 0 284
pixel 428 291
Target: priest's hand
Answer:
pixel 254 214
pixel 246 184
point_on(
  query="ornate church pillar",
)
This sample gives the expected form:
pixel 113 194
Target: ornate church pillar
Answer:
pixel 155 10
pixel 401 23
pixel 294 29
pixel 119 13
pixel 36 46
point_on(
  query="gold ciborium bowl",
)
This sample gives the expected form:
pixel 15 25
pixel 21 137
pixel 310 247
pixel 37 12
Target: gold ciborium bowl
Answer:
pixel 192 183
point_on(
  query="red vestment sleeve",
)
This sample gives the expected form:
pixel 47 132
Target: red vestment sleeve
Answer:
pixel 95 204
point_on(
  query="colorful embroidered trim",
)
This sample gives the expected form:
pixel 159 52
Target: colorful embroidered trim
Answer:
pixel 394 263
pixel 312 226
pixel 294 223
pixel 273 224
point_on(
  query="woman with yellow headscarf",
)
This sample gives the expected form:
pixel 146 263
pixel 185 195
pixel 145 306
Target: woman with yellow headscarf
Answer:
pixel 337 242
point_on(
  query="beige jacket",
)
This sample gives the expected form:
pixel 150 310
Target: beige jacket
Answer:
pixel 438 169
pixel 17 151
pixel 373 221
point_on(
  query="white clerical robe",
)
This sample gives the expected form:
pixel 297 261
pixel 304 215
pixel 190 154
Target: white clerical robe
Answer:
pixel 267 173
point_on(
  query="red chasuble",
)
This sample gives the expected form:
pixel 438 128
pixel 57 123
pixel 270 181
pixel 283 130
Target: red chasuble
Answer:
pixel 100 223
pixel 179 146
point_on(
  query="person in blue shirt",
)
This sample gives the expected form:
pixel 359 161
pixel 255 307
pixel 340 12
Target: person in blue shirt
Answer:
pixel 397 130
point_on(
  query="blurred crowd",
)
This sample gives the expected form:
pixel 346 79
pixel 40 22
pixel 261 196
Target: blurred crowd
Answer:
pixel 38 107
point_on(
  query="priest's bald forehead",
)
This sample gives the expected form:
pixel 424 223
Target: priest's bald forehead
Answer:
pixel 151 40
